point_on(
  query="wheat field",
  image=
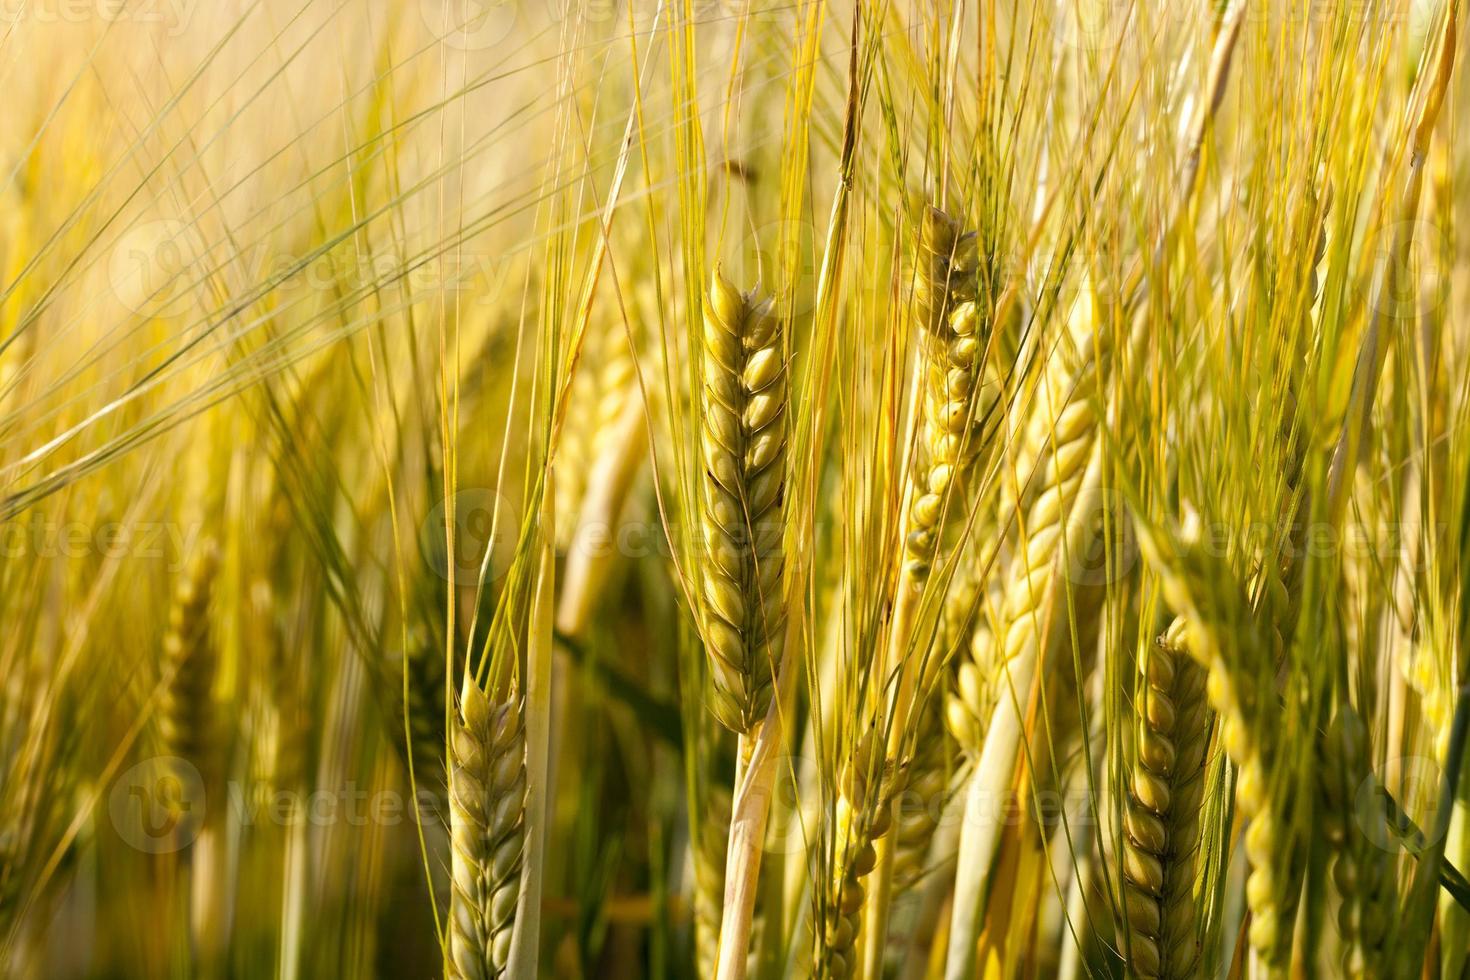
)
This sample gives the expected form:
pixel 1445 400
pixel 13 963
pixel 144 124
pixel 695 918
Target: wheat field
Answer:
pixel 734 489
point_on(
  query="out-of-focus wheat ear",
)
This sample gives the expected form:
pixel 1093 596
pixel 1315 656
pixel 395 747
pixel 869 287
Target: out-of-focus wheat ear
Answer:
pixel 744 438
pixel 423 707
pixel 1362 872
pixel 968 705
pixel 11 863
pixel 185 714
pixel 917 817
pixel 487 795
pixel 709 880
pixel 1059 525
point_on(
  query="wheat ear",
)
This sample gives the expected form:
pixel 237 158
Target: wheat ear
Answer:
pixel 1161 812
pixel 185 715
pixel 745 470
pixel 487 795
pixel 863 816
pixel 424 706
pixel 951 412
pixel 951 354
pixel 1362 872
pixel 1033 617
pixel 1225 639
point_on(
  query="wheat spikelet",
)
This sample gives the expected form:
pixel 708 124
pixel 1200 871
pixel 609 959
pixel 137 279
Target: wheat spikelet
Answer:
pixel 185 714
pixel 487 795
pixel 1161 811
pixel 744 432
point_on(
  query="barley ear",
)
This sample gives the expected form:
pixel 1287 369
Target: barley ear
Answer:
pixel 185 716
pixel 744 436
pixel 1161 811
pixel 487 795
pixel 864 815
pixel 1225 639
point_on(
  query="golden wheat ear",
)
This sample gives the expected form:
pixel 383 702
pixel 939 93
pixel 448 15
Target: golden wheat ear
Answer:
pixel 744 437
pixel 487 801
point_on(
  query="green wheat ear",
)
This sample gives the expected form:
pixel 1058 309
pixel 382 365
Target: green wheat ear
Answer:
pixel 487 799
pixel 744 437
